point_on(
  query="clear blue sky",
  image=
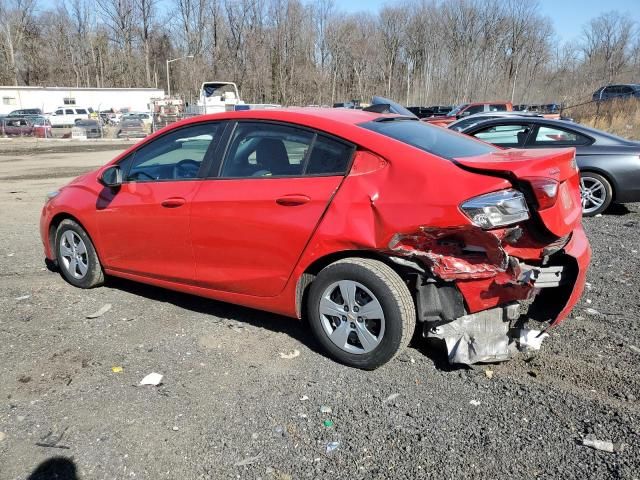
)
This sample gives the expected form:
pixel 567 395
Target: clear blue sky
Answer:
pixel 568 16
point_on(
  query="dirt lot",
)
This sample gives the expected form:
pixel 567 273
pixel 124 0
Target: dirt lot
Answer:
pixel 231 407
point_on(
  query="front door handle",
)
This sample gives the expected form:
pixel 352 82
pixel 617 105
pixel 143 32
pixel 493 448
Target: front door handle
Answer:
pixel 173 202
pixel 292 200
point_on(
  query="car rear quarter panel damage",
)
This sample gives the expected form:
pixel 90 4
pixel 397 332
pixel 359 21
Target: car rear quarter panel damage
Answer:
pixel 404 203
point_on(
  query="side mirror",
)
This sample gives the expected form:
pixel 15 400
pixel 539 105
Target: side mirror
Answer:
pixel 111 177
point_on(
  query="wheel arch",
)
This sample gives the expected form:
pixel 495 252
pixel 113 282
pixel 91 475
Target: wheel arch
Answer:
pixel 53 227
pixel 311 271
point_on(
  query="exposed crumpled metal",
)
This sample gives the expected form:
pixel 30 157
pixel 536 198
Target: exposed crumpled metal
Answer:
pixel 479 337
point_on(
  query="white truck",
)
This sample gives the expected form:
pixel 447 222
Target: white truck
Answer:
pixel 69 115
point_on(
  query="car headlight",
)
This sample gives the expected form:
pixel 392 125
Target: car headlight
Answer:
pixel 496 209
pixel 51 195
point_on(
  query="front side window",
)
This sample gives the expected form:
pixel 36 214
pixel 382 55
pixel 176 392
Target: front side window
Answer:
pixel 59 112
pixel 429 138
pixel 177 155
pixel 511 136
pixel 552 137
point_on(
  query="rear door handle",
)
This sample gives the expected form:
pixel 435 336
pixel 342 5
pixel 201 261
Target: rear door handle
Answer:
pixel 173 202
pixel 292 200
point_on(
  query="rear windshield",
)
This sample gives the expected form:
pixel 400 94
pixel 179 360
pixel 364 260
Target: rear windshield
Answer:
pixel 432 139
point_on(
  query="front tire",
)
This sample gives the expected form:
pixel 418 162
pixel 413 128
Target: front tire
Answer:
pixel 361 312
pixel 596 193
pixel 77 258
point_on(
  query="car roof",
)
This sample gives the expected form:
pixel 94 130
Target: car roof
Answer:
pixel 299 115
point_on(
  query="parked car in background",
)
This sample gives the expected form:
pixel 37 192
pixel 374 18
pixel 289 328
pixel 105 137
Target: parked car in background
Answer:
pixel 25 111
pixel 610 92
pixel 366 223
pixel 145 117
pixel 433 111
pixel 87 129
pixel 466 122
pixel 609 165
pixel 467 109
pixel 41 127
pixel 132 128
pixel 16 127
pixel 68 116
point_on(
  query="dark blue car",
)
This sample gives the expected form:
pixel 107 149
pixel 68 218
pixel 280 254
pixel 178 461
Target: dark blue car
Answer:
pixel 609 92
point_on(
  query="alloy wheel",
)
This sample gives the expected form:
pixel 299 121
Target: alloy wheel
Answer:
pixel 73 254
pixel 592 193
pixel 352 317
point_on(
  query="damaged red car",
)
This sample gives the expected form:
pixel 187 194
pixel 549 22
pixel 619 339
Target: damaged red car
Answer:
pixel 369 224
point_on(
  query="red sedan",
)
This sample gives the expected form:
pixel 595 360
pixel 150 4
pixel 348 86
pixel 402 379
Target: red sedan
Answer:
pixel 366 223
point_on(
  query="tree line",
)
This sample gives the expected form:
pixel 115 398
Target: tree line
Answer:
pixel 294 52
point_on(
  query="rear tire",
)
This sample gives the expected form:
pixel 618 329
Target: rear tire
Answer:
pixel 373 325
pixel 596 193
pixel 76 256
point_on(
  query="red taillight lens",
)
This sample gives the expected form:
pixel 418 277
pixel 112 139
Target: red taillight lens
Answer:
pixel 545 190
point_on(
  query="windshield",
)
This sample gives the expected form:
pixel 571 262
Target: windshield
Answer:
pixel 429 138
pixel 456 110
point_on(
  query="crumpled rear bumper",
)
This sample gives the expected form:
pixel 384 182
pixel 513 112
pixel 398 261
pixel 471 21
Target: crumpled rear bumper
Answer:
pixel 494 334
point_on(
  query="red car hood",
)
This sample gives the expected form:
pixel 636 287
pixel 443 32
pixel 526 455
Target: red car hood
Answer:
pixel 523 166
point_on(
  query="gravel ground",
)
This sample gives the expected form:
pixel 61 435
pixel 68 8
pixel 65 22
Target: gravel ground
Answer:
pixel 231 407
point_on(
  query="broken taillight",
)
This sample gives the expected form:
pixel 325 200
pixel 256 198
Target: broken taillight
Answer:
pixel 545 190
pixel 496 209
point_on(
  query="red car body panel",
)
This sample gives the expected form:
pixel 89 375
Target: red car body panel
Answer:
pixel 250 241
pixel 261 228
pixel 133 216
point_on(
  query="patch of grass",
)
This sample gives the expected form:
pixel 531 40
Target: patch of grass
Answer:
pixel 620 117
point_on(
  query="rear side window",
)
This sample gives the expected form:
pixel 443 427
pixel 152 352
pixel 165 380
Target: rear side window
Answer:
pixel 511 135
pixel 328 157
pixel 556 137
pixel 260 149
pixel 436 140
pixel 81 111
pixel 68 112
pixel 264 150
pixel 498 107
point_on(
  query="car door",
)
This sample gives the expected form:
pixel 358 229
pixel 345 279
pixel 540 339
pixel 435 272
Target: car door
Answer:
pixel 252 220
pixel 144 225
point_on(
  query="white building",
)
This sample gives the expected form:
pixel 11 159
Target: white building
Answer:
pixel 48 99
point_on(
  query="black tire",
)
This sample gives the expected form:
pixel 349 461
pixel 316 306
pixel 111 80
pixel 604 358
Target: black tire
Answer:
pixel 94 276
pixel 607 188
pixel 394 298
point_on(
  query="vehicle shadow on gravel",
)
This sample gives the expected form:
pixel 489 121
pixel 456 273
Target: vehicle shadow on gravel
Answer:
pixel 617 209
pixel 59 468
pixel 298 330
pixel 433 349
